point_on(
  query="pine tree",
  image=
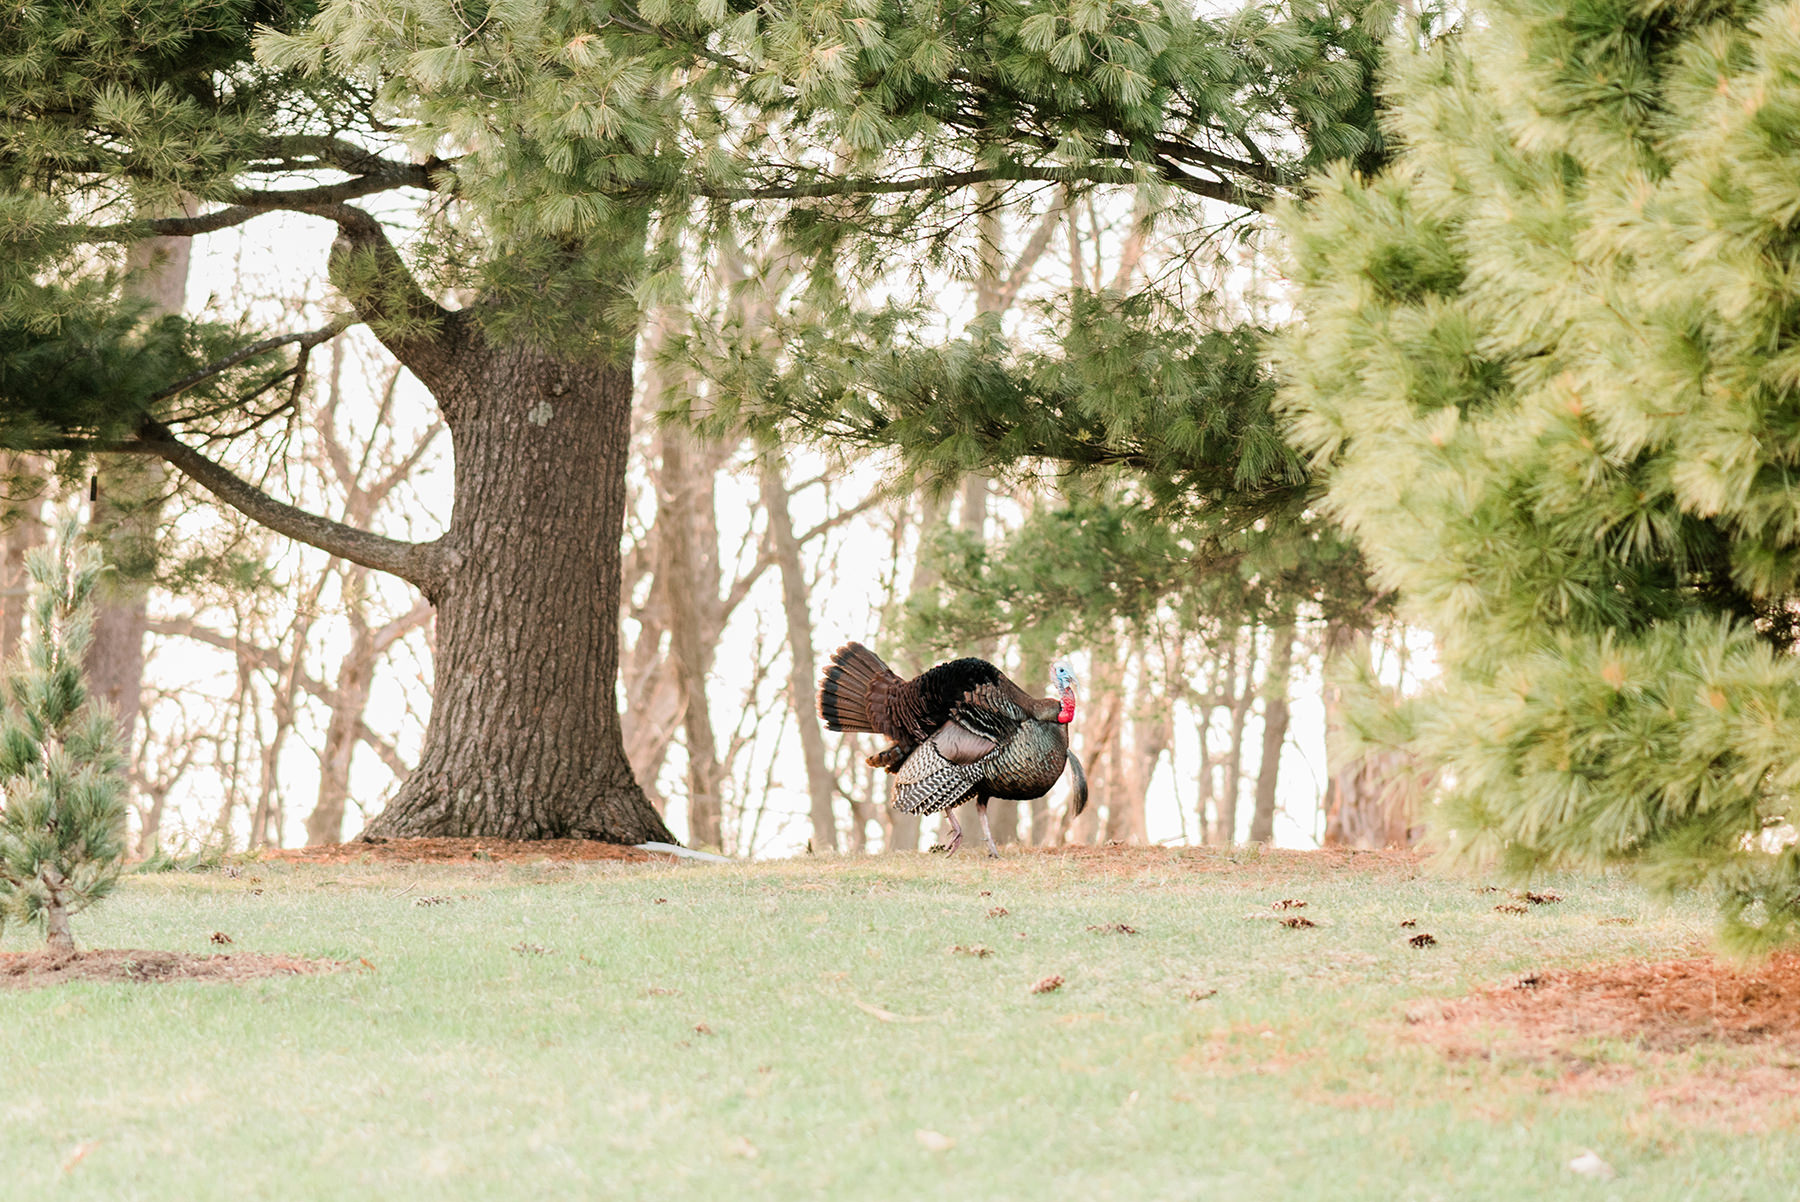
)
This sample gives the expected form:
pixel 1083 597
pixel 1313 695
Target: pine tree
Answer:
pixel 62 775
pixel 1549 367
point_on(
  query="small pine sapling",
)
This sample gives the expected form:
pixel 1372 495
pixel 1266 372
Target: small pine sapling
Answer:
pixel 62 774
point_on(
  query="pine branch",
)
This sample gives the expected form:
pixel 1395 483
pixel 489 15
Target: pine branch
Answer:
pixel 421 564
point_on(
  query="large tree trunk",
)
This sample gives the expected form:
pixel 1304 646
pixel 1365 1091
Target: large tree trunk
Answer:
pixel 524 738
pixel 1275 727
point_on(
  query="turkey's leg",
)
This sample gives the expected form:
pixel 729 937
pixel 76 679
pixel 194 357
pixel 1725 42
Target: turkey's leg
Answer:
pixel 981 808
pixel 955 831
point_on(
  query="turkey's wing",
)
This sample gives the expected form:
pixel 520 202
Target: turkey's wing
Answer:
pixel 989 712
pixel 960 745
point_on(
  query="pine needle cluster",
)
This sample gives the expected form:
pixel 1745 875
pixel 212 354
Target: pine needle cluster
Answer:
pixel 62 774
pixel 1549 363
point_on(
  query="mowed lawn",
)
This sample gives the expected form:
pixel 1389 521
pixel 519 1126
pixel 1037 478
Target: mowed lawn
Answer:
pixel 805 1029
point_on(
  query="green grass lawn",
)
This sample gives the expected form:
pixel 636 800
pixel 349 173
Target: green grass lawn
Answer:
pixel 538 1037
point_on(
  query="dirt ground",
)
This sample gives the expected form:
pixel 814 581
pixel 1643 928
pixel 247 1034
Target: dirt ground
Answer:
pixel 42 969
pixel 1720 1042
pixel 1668 1005
pixel 446 850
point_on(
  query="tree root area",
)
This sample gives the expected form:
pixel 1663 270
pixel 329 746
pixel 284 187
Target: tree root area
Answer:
pixel 43 968
pixel 458 850
pixel 1669 1005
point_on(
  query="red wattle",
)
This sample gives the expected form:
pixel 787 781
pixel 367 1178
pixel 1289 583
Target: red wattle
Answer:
pixel 1067 713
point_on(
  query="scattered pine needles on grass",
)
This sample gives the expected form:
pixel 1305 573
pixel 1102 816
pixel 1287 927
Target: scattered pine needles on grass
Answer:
pixel 789 1030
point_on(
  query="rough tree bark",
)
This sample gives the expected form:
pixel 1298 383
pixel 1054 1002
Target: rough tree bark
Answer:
pixel 1275 728
pixel 524 737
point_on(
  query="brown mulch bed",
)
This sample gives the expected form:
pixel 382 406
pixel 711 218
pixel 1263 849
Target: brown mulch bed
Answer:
pixel 447 850
pixel 1668 1005
pixel 42 969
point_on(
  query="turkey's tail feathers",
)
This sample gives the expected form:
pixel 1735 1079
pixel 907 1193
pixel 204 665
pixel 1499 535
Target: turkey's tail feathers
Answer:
pixel 1077 786
pixel 845 686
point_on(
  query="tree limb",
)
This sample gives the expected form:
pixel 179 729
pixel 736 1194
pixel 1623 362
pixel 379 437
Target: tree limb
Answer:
pixel 248 203
pixel 268 660
pixel 421 564
pixel 1011 173
pixel 306 340
pixel 370 273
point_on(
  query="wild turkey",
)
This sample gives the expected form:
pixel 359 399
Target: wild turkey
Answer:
pixel 960 731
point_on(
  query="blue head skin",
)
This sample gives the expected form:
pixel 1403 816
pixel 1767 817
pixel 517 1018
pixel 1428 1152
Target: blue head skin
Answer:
pixel 1065 685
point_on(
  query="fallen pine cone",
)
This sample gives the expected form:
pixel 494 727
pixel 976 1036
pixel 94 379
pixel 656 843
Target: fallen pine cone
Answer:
pixel 1114 928
pixel 1509 908
pixel 998 912
pixel 1049 984
pixel 1409 922
pixel 1422 940
pixel 978 951
pixel 1289 903
pixel 221 938
pixel 1298 922
pixel 1545 898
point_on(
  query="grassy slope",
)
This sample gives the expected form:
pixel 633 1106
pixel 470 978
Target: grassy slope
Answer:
pixel 463 1068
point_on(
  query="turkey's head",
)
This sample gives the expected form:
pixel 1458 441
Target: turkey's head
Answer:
pixel 1065 685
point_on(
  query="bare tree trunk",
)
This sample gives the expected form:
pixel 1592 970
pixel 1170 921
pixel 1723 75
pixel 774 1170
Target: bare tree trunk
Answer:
pixel 1243 685
pixel 21 529
pixel 128 493
pixel 348 701
pixel 1151 733
pixel 1275 727
pixel 903 831
pixel 1100 750
pixel 819 785
pixel 1372 799
pixel 683 488
pixel 971 520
